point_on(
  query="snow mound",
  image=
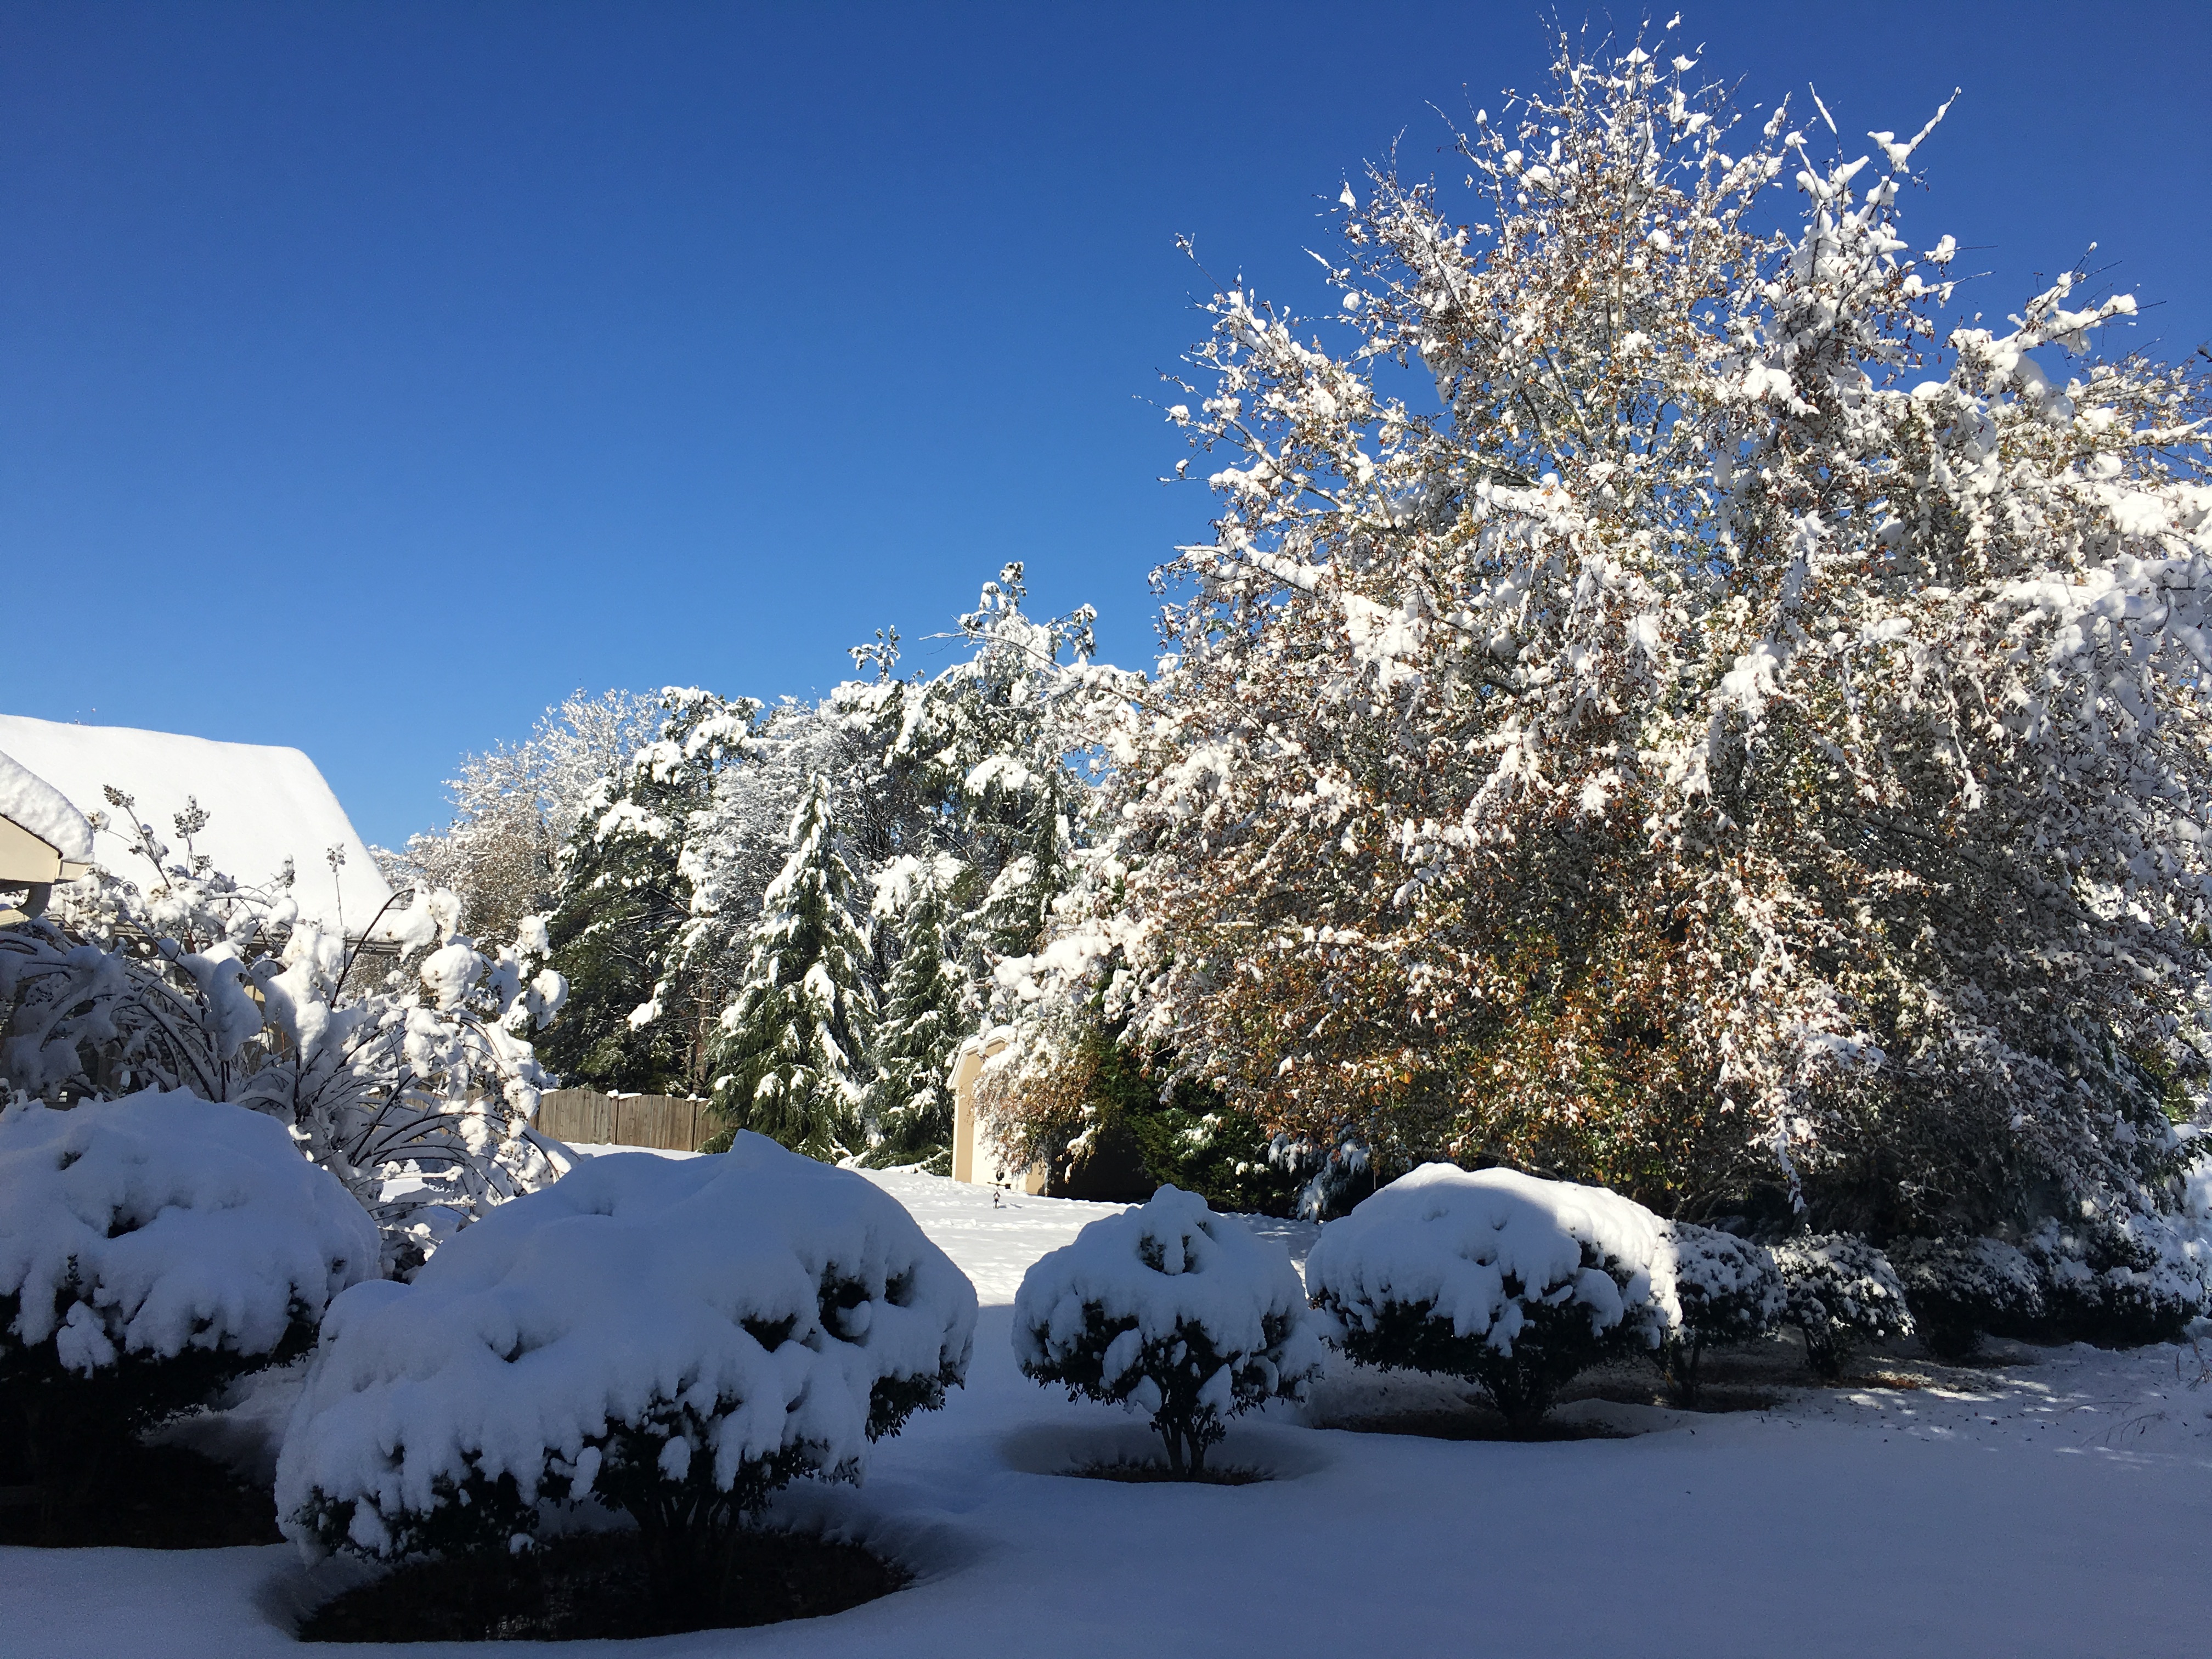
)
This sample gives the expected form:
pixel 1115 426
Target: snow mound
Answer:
pixel 1169 1300
pixel 161 1222
pixel 708 1318
pixel 44 811
pixel 1479 1248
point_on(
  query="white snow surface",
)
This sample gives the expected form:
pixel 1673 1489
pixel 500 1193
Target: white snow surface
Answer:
pixel 44 811
pixel 264 804
pixel 1452 1239
pixel 623 1287
pixel 2048 1508
pixel 160 1221
pixel 1169 1265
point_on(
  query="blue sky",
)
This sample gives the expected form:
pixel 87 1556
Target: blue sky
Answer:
pixel 373 375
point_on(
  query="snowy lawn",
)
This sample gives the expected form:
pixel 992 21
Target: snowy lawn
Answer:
pixel 2057 1506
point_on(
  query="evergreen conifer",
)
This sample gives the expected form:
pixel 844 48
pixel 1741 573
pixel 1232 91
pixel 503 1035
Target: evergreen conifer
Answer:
pixel 909 1103
pixel 788 1060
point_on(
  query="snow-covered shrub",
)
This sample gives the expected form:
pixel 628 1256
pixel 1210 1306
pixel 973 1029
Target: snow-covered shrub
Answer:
pixel 676 1339
pixel 1174 1311
pixel 1842 1293
pixel 1962 1289
pixel 2119 1278
pixel 1728 1291
pixel 1513 1283
pixel 151 1249
pixel 397 1056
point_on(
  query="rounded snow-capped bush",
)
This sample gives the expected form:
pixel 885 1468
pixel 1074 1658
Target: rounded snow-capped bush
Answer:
pixel 1727 1290
pixel 674 1337
pixel 2119 1278
pixel 1962 1289
pixel 1174 1311
pixel 1513 1283
pixel 152 1248
pixel 1842 1292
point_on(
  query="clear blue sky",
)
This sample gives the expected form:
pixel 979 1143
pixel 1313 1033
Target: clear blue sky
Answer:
pixel 373 375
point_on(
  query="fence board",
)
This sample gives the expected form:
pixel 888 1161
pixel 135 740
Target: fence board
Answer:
pixel 587 1116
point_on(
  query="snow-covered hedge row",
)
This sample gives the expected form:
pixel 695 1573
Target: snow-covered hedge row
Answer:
pixel 1510 1281
pixel 150 1249
pixel 2119 1278
pixel 1173 1310
pixel 1842 1292
pixel 1727 1290
pixel 1962 1289
pixel 676 1339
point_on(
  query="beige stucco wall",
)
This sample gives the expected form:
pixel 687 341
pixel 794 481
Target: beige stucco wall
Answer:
pixel 974 1158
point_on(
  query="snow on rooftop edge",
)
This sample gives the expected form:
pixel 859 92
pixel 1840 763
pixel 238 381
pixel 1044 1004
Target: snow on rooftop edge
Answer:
pixel 30 801
pixel 264 804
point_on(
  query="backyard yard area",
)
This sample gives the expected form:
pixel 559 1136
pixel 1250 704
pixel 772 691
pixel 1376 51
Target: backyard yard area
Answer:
pixel 2054 1503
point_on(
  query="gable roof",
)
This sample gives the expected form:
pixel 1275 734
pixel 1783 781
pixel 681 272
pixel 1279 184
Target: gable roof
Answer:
pixel 263 804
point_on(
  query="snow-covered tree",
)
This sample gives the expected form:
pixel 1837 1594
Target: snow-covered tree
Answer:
pixel 966 774
pixel 908 1103
pixel 1743 731
pixel 640 1009
pixel 994 733
pixel 736 844
pixel 515 807
pixel 787 1060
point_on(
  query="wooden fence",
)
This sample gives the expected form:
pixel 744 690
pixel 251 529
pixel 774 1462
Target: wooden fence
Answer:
pixel 597 1119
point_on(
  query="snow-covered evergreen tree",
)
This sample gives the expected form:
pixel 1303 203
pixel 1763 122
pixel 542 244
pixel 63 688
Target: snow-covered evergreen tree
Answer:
pixel 639 1009
pixel 908 1106
pixel 987 743
pixel 736 845
pixel 788 1059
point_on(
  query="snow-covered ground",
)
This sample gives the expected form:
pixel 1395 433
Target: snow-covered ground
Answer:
pixel 2055 1504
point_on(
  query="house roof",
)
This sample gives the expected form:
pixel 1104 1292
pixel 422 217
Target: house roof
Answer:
pixel 34 804
pixel 263 805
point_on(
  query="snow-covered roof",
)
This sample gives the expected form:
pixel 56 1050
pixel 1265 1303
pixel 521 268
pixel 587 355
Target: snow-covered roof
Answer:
pixel 36 805
pixel 263 804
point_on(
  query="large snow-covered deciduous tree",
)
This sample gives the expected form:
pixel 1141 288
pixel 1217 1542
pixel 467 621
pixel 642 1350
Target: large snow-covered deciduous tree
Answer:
pixel 1662 707
pixel 789 1058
